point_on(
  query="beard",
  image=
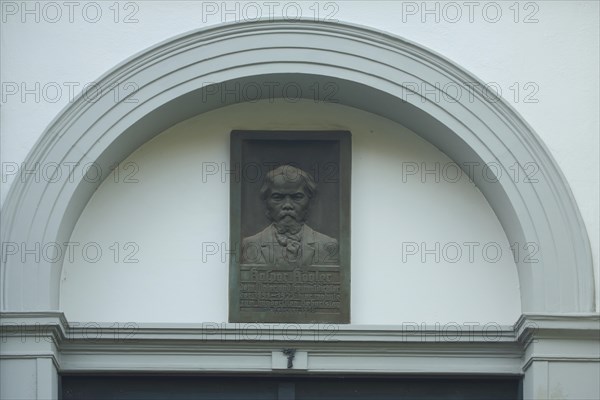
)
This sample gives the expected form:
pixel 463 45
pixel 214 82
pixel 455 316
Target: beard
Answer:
pixel 287 222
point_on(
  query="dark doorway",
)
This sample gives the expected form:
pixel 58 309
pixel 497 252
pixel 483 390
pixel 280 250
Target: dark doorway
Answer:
pixel 188 387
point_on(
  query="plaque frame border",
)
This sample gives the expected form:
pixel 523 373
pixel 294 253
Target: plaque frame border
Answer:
pixel 344 138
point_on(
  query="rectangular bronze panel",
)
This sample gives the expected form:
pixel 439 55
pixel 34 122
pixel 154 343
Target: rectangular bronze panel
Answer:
pixel 290 226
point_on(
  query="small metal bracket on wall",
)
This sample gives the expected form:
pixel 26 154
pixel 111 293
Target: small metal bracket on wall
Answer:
pixel 290 353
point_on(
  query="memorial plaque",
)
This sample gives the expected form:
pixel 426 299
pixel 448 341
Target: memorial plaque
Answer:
pixel 290 226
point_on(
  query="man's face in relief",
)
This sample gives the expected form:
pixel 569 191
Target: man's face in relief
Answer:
pixel 288 201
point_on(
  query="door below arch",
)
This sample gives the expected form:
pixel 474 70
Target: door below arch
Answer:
pixel 282 387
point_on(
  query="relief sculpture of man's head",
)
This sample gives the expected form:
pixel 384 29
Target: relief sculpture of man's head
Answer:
pixel 288 192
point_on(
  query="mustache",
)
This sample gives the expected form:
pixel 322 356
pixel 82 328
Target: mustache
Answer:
pixel 286 213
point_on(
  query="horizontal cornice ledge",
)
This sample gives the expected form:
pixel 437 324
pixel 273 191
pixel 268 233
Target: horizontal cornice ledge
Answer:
pixel 95 346
pixel 558 326
pixel 54 323
pixel 580 325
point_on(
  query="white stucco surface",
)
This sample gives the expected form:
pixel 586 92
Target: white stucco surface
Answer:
pixel 542 56
pixel 413 234
pixel 150 220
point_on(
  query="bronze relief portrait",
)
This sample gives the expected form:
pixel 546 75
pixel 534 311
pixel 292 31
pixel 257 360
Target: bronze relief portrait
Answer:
pixel 288 241
pixel 290 226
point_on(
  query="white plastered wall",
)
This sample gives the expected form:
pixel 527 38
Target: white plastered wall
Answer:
pixel 558 53
pixel 543 57
pixel 426 246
